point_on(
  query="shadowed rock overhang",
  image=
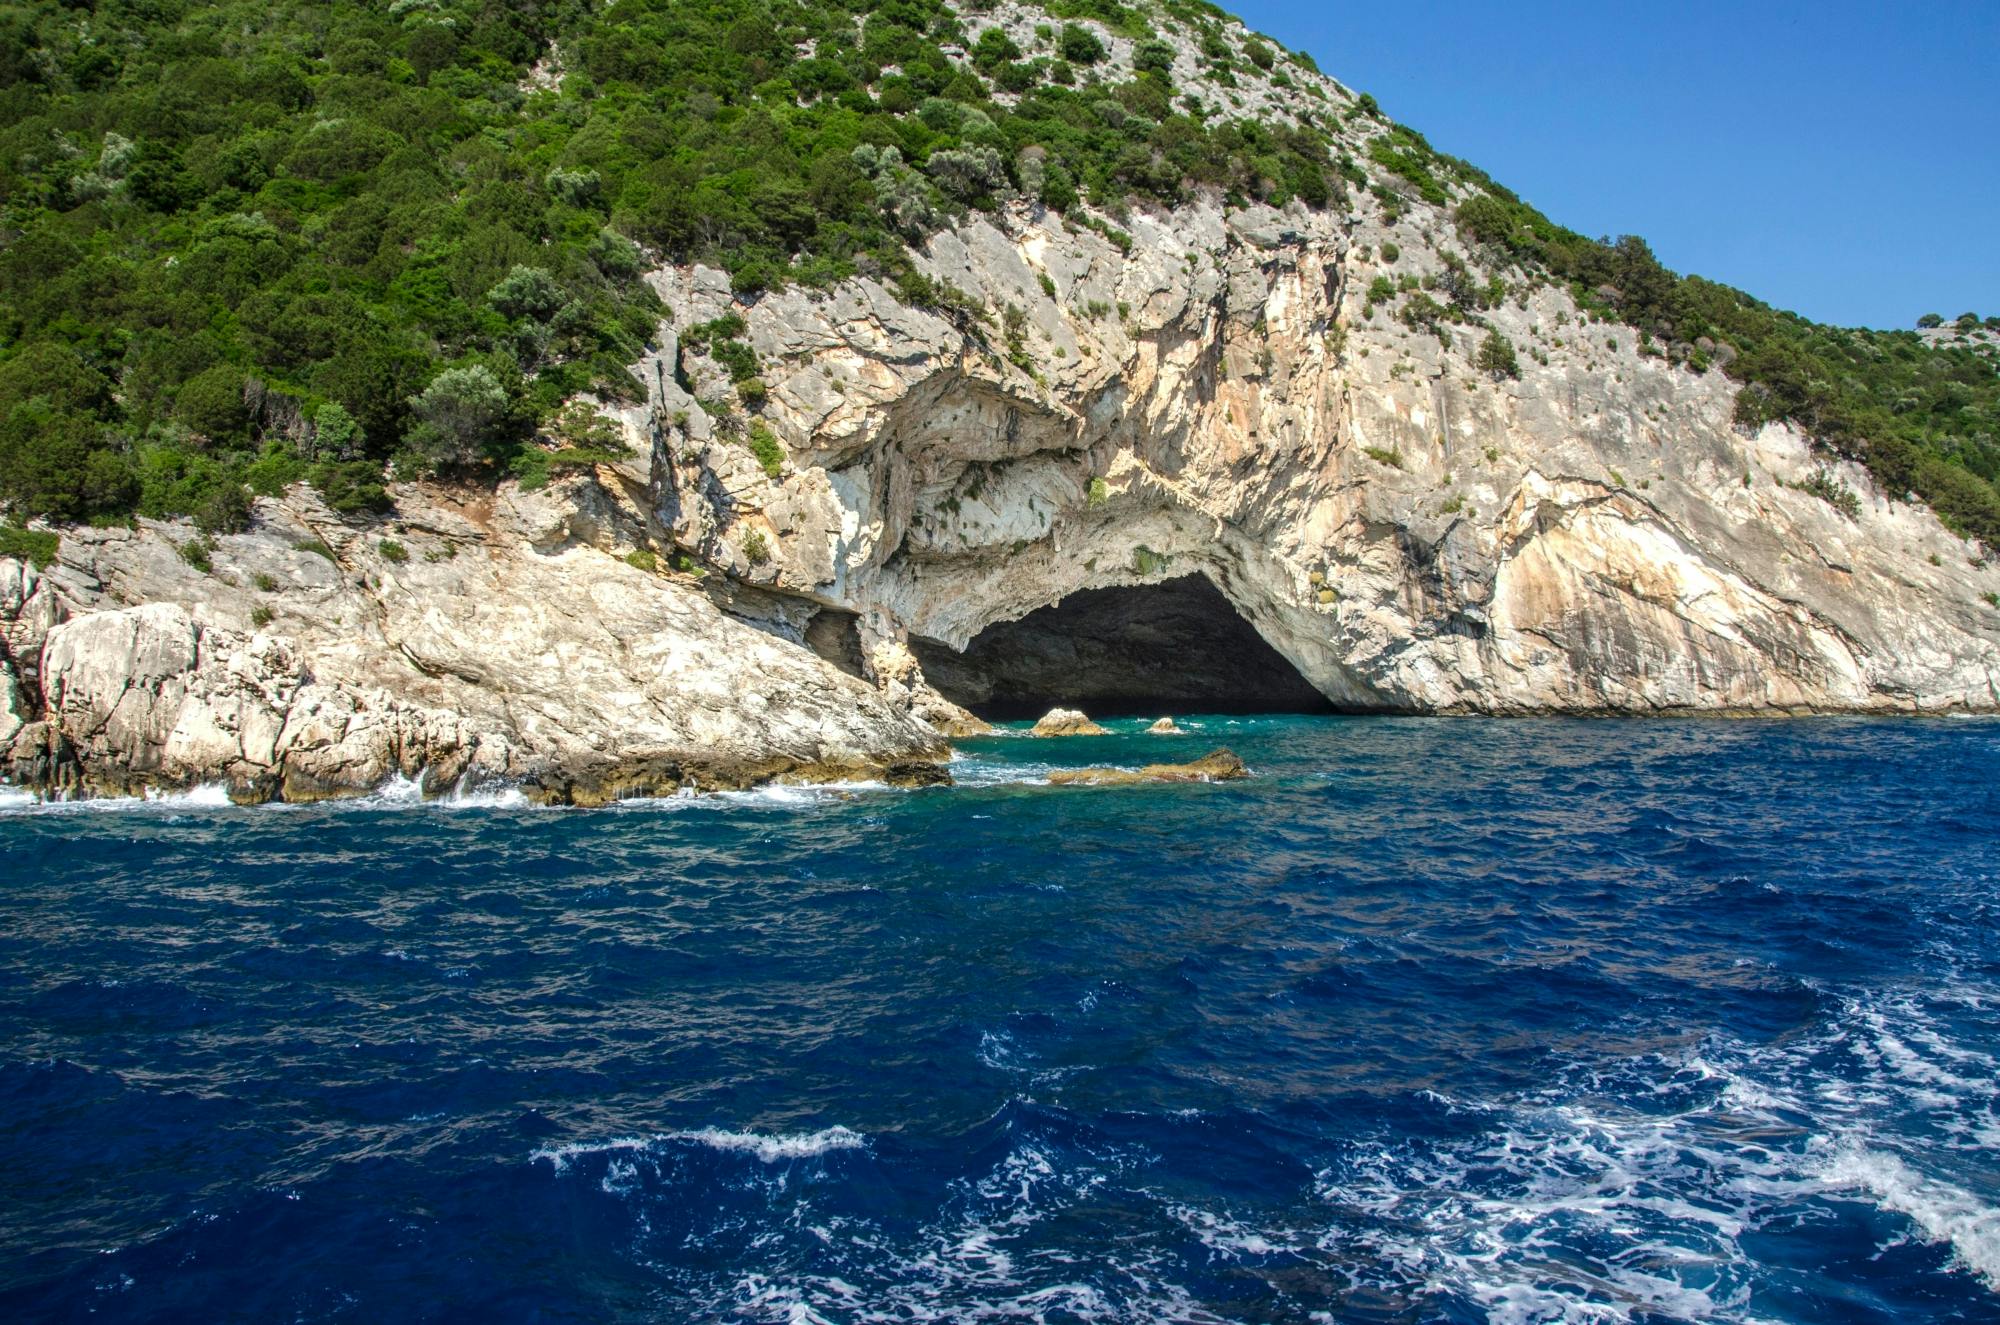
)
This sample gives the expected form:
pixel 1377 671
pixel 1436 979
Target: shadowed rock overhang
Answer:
pixel 1143 649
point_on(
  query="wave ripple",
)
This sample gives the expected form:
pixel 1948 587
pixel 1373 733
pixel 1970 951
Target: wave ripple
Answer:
pixel 1428 1021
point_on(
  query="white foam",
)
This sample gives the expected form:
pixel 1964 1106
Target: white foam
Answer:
pixel 771 1149
pixel 485 798
pixel 205 796
pixel 1230 1238
pixel 784 795
pixel 767 1149
pixel 399 790
pixel 560 1156
pixel 1945 1214
pixel 995 773
pixel 209 795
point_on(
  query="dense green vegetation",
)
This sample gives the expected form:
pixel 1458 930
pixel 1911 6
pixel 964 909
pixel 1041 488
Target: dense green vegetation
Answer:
pixel 248 243
pixel 1922 419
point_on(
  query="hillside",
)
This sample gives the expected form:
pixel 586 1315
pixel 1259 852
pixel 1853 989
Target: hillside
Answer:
pixel 660 433
pixel 249 244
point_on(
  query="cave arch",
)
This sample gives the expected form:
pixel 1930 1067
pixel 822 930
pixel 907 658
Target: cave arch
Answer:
pixel 1176 646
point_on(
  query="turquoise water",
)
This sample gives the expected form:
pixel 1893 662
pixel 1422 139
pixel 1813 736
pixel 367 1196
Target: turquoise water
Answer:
pixel 1429 1020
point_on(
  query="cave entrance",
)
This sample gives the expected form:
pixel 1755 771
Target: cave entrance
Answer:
pixel 1151 649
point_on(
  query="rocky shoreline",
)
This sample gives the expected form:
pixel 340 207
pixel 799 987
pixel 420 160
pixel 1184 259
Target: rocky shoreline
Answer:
pixel 481 643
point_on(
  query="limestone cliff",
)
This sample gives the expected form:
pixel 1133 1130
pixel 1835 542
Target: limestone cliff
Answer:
pixel 485 639
pixel 1098 402
pixel 1412 532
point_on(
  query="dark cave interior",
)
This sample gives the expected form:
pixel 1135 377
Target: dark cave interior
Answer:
pixel 1175 647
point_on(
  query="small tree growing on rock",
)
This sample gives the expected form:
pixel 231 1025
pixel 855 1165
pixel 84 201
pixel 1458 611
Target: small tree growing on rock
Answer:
pixel 1496 356
pixel 1079 45
pixel 456 414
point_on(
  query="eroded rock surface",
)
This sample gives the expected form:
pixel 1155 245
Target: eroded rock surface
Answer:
pixel 1407 530
pixel 1226 413
pixel 1067 722
pixel 508 643
pixel 1215 766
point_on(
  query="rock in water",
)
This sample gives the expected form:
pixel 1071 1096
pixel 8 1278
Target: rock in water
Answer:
pixel 1067 722
pixel 1165 727
pixel 1215 766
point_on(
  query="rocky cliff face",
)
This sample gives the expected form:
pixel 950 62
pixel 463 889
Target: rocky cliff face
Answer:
pixel 485 639
pixel 1411 531
pixel 1230 394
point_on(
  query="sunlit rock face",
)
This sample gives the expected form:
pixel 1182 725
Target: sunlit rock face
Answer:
pixel 509 644
pixel 1407 531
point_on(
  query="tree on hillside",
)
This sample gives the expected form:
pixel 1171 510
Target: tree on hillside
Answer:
pixel 457 414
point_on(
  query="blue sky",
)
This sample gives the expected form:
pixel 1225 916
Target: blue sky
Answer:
pixel 1840 159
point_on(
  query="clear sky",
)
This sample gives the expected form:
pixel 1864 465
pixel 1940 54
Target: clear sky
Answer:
pixel 1841 159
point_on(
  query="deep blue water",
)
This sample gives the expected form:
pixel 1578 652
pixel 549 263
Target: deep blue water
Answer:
pixel 1430 1020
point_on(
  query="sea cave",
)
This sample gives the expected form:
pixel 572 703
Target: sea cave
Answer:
pixel 1177 646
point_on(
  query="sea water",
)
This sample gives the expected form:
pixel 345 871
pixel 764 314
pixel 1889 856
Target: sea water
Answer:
pixel 1429 1020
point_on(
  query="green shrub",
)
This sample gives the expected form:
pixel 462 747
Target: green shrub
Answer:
pixel 225 510
pixel 1404 154
pixel 260 617
pixel 196 554
pixel 1079 45
pixel 1822 484
pixel 1496 357
pixel 642 559
pixel 1381 456
pixel 756 549
pixel 393 552
pixel 317 547
pixel 352 487
pixel 457 415
pixel 38 546
pixel 264 582
pixel 1156 57
pixel 769 451
pixel 211 403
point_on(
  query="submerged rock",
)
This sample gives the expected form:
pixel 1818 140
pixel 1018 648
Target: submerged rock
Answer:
pixel 1215 766
pixel 1166 727
pixel 1067 722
